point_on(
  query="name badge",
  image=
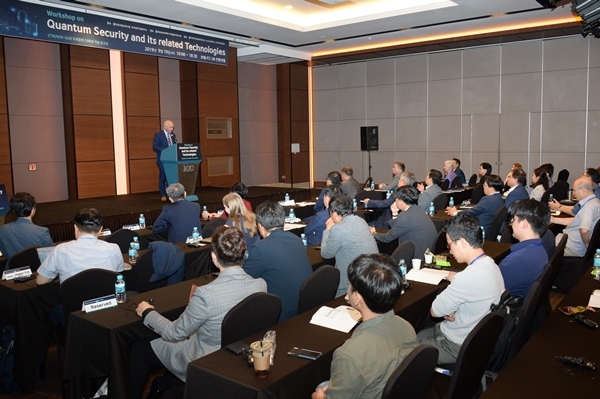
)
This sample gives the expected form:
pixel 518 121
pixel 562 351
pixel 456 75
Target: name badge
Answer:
pixel 104 302
pixel 12 274
pixel 132 227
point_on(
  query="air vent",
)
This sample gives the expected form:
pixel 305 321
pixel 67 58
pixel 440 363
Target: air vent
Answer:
pixel 221 166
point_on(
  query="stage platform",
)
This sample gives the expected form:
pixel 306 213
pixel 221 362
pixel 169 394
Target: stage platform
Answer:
pixel 121 210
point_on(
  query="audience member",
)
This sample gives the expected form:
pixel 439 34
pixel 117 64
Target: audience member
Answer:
pixel 86 252
pixel 516 165
pixel 594 175
pixel 345 237
pixel 412 224
pixel 362 366
pixel 241 217
pixel 350 186
pixel 279 258
pixel 449 171
pixel 397 170
pixel 487 207
pixel 197 332
pixel 179 218
pixel 388 205
pixel 334 178
pixel 471 292
pixel 459 173
pixel 539 183
pixel 516 181
pixel 529 220
pixel 485 169
pixel 22 233
pixel 238 188
pixel 430 189
pixel 315 227
pixel 549 168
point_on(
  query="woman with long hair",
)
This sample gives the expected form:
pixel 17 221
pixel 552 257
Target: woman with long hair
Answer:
pixel 241 218
pixel 539 183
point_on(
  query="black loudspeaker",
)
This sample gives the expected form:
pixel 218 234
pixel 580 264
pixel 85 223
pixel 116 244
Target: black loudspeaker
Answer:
pixel 369 138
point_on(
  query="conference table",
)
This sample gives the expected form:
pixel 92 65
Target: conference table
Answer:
pixel 534 373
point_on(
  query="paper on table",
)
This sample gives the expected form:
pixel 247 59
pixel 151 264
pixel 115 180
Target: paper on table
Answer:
pixel 343 318
pixel 427 276
pixel 595 299
pixel 292 226
pixel 306 203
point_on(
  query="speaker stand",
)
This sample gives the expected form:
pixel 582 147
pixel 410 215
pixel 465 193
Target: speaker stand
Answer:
pixel 369 179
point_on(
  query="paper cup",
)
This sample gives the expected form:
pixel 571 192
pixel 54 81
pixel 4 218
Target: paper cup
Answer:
pixel 416 264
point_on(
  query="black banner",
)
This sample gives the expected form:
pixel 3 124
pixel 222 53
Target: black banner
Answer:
pixel 188 152
pixel 41 22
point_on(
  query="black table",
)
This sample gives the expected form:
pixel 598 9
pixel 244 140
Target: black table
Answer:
pixel 533 373
pixel 459 195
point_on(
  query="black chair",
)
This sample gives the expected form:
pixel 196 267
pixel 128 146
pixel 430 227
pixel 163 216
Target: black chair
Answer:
pixel 477 194
pixel 456 183
pixel 412 377
pixel 522 332
pixel 559 190
pixel 473 179
pixel 472 359
pixel 257 312
pixel 573 268
pixel 142 271
pixel 27 257
pixel 445 185
pixel 122 238
pixel 440 202
pixel 210 227
pixel 439 243
pixel 543 307
pixel 319 287
pixel 557 259
pixel 563 175
pixel 497 224
pixel 405 251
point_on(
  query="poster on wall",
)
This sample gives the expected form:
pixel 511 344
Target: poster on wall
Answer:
pixel 41 22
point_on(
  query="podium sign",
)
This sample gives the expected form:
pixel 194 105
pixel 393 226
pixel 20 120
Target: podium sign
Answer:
pixel 182 163
pixel 4 203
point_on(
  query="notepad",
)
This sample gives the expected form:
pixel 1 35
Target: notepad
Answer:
pixel 595 299
pixel 343 318
pixel 427 276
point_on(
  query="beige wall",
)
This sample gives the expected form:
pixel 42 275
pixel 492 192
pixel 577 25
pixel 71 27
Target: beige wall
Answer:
pixel 529 102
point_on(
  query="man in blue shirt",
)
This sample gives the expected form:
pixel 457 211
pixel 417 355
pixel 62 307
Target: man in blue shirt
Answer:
pixel 529 220
pixel 316 225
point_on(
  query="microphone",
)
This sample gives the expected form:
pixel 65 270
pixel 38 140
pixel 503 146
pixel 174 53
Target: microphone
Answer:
pixel 173 137
pixel 577 361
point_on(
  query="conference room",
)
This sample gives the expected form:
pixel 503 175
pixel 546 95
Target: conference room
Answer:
pixel 77 118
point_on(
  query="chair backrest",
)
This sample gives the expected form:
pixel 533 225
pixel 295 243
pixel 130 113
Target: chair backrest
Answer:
pixel 412 377
pixel 557 259
pixel 497 224
pixel 543 306
pixel 456 183
pixel 473 357
pixel 88 284
pixel 563 175
pixel 142 271
pixel 27 257
pixel 122 238
pixel 559 190
pixel 445 184
pixel 257 312
pixel 440 202
pixel 439 243
pixel 477 194
pixel 473 179
pixel 522 332
pixel 319 287
pixel 209 228
pixel 593 245
pixel 405 251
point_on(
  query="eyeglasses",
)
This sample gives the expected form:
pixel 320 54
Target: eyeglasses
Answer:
pixel 449 244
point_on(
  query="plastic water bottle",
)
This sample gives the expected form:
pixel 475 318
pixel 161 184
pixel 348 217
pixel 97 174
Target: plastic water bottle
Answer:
pixel 142 221
pixel 195 233
pixel 388 194
pixel 204 209
pixel 303 237
pixel 402 267
pixel 482 232
pixel 292 215
pixel 287 197
pixel 550 198
pixel 451 202
pixel 431 209
pixel 596 270
pixel 354 205
pixel 372 185
pixel 136 243
pixel 133 253
pixel 120 289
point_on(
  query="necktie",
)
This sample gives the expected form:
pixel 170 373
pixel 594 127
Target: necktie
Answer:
pixel 169 139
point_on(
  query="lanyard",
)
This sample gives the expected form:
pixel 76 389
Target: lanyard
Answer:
pixel 480 256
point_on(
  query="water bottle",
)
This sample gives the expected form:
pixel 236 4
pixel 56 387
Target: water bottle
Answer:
pixel 354 205
pixel 482 232
pixel 388 194
pixel 292 215
pixel 204 209
pixel 133 254
pixel 431 209
pixel 596 270
pixel 120 290
pixel 372 185
pixel 303 237
pixel 451 202
pixel 402 267
pixel 550 198
pixel 142 221
pixel 136 243
pixel 195 233
pixel 287 197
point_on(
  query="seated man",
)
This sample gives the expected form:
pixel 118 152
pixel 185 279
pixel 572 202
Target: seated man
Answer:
pixel 315 227
pixel 397 170
pixel 594 175
pixel 412 224
pixel 22 233
pixel 529 220
pixel 487 207
pixel 179 218
pixel 471 292
pixel 449 172
pixel 345 237
pixel 388 204
pixel 430 190
pixel 362 366
pixel 333 178
pixel 516 180
pixel 459 173
pixel 350 186
pixel 279 258
pixel 86 252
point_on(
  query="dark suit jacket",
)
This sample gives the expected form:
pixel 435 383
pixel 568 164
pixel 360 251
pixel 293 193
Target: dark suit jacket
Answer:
pixel 178 220
pixel 486 209
pixel 518 193
pixel 281 260
pixel 160 143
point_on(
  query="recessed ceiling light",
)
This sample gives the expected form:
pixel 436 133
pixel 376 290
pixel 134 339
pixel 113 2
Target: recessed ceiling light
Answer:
pixel 288 7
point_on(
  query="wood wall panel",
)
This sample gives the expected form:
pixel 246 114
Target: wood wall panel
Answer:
pixel 5 158
pixel 91 91
pixel 220 73
pixel 94 139
pixel 142 97
pixel 188 89
pixel 89 57
pixel 96 179
pixel 138 63
pixel 140 133
pixel 3 105
pixel 143 175
pixel 218 99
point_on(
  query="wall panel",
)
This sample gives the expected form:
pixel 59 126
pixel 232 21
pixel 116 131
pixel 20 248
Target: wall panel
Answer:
pixel 5 158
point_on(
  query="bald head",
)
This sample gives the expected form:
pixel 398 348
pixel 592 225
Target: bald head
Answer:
pixel 169 126
pixel 586 185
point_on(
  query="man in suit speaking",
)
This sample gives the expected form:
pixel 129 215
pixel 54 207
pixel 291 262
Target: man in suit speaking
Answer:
pixel 163 139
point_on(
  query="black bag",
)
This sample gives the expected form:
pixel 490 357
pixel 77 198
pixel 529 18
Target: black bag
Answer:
pixel 510 308
pixel 7 360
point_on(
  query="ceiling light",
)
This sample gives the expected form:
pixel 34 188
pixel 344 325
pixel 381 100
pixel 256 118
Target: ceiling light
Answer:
pixel 288 7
